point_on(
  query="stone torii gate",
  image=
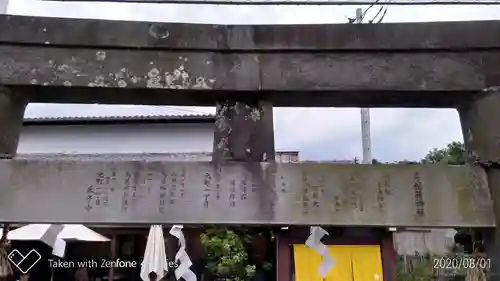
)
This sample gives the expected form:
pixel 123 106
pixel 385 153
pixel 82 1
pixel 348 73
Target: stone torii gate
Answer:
pixel 245 71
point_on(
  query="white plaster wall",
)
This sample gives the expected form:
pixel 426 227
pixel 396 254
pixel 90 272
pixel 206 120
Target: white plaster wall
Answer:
pixel 287 157
pixel 4 4
pixel 434 242
pixel 120 138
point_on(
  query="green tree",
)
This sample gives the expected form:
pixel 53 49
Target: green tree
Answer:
pixel 227 258
pixel 453 154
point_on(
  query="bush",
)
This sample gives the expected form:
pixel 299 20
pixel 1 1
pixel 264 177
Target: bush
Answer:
pixel 226 255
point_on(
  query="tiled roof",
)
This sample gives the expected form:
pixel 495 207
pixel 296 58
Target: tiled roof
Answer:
pixel 180 156
pixel 120 118
pixel 190 156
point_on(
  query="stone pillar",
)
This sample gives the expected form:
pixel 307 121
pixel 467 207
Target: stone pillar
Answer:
pixel 11 120
pixel 481 130
pixel 243 132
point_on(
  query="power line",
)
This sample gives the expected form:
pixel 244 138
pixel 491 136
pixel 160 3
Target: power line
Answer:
pixel 299 2
pixel 382 9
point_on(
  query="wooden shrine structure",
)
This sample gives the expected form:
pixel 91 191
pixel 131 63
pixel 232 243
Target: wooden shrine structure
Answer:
pixel 245 71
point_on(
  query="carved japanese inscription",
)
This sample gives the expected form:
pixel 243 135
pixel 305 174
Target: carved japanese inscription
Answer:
pixel 305 194
pixel 126 191
pixel 232 193
pixel 207 189
pixel 418 189
pixel 383 190
pixel 163 192
pixel 182 182
pixel 173 188
pixel 183 192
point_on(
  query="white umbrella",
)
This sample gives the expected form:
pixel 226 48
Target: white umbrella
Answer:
pixel 155 257
pixel 48 235
pixel 70 232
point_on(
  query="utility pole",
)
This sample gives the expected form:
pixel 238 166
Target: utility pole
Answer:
pixel 3 6
pixel 365 115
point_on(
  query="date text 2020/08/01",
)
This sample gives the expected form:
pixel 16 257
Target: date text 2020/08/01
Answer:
pixel 461 262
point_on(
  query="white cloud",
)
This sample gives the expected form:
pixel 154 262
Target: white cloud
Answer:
pixel 320 134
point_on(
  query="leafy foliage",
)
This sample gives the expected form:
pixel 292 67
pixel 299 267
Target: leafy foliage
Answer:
pixel 453 154
pixel 226 255
pixel 423 268
pixel 421 271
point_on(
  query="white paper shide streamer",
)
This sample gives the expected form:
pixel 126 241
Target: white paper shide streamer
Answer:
pixel 183 270
pixel 314 242
pixel 50 238
pixel 59 248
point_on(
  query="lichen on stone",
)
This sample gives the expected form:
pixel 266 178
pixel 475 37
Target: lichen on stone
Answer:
pixel 100 56
pixel 122 84
pixel 98 82
pixel 178 78
pixel 134 79
pixel 154 80
pixel 63 67
pixel 201 83
pixel 255 114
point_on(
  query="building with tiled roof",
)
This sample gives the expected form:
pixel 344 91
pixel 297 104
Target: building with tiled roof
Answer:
pixel 177 137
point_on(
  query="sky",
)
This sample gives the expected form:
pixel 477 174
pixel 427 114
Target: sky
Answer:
pixel 318 133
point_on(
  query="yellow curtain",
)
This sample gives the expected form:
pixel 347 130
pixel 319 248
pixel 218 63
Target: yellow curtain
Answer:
pixel 367 263
pixel 352 263
pixel 306 264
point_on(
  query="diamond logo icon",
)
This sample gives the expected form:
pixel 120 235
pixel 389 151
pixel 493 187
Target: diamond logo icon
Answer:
pixel 24 262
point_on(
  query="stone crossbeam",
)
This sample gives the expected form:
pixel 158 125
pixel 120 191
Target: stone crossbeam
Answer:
pixel 426 36
pixel 440 65
pixel 147 192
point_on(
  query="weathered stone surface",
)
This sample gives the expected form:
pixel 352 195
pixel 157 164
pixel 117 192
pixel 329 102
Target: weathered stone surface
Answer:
pixel 188 193
pixel 11 120
pixel 127 69
pixel 480 130
pixel 438 66
pixel 87 32
pixel 322 79
pixel 481 137
pixel 120 59
pixel 243 132
pixel 379 72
